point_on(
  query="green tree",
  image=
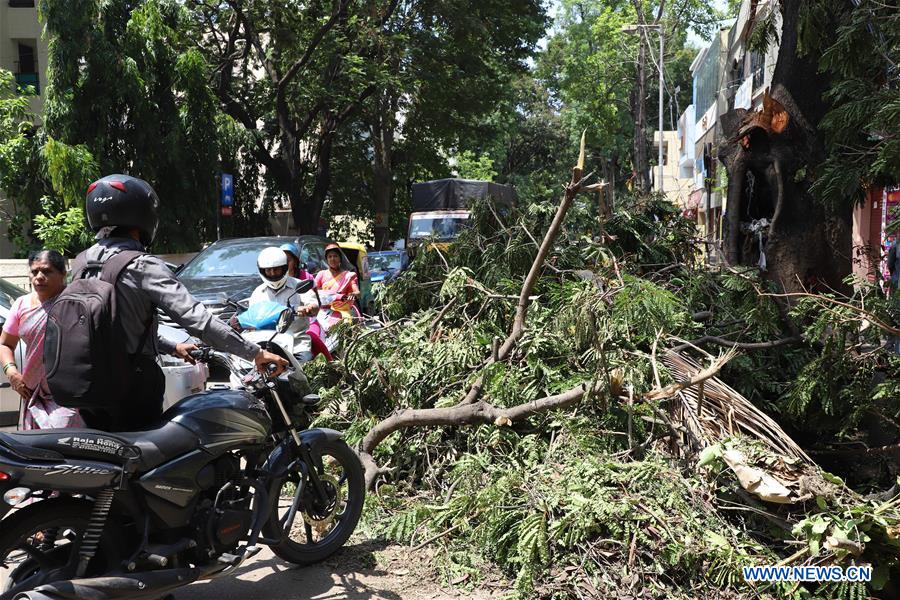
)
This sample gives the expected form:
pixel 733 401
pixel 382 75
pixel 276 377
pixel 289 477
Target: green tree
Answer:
pixel 42 178
pixel 320 87
pixel 127 82
pixel 603 80
pixel 862 124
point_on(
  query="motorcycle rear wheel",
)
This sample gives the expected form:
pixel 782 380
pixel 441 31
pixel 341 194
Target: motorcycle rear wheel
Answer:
pixel 39 545
pixel 322 528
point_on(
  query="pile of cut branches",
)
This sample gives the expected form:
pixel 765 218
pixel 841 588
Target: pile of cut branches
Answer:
pixel 540 397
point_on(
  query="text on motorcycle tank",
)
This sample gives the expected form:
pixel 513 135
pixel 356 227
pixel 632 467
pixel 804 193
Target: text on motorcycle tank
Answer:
pixel 76 470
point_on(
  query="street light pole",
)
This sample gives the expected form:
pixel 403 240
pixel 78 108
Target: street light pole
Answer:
pixel 662 82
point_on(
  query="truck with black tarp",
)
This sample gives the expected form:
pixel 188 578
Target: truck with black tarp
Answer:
pixel 441 208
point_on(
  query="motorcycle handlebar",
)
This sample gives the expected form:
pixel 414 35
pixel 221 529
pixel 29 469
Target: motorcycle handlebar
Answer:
pixel 206 353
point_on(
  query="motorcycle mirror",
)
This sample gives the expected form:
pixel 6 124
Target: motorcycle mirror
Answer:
pixel 285 320
pixel 304 286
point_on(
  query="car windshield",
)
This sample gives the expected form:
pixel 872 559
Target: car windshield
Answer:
pixel 8 293
pixel 385 262
pixel 443 228
pixel 227 260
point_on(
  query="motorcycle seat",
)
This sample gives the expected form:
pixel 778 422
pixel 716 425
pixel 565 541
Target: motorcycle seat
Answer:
pixel 148 448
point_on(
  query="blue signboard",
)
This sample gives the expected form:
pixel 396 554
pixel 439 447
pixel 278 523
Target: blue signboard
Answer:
pixel 227 189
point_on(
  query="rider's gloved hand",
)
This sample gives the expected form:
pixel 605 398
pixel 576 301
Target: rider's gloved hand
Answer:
pixel 264 358
pixel 183 351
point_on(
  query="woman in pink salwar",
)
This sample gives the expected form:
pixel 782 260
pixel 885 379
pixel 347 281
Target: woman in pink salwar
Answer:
pixel 27 321
pixel 339 288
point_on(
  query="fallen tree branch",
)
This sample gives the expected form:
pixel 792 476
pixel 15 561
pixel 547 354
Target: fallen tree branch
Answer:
pixel 707 373
pixel 525 296
pixel 720 341
pixel 818 297
pixel 475 413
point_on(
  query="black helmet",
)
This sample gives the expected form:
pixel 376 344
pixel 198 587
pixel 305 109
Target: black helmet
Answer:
pixel 123 201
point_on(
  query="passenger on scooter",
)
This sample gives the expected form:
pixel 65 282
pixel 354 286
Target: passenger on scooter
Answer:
pixel 124 213
pixel 278 286
pixel 296 268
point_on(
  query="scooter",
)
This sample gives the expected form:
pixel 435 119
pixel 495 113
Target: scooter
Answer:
pixel 257 323
pixel 137 515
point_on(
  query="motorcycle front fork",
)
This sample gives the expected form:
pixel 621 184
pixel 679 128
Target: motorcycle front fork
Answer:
pixel 303 452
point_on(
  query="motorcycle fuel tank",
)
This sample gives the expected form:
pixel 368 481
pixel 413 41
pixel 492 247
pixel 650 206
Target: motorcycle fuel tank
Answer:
pixel 220 417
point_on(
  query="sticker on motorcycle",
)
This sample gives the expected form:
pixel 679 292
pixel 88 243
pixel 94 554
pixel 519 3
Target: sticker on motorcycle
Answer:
pixel 101 445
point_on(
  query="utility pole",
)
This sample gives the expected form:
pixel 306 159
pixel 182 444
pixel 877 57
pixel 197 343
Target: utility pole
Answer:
pixel 631 29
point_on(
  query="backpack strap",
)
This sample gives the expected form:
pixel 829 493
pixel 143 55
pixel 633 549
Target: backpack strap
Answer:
pixel 112 267
pixel 110 272
pixel 79 264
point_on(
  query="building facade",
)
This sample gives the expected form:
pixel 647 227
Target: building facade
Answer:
pixel 727 74
pixel 676 187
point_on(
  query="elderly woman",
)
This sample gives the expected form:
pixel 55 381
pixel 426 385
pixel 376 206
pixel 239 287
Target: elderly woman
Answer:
pixel 27 321
pixel 340 287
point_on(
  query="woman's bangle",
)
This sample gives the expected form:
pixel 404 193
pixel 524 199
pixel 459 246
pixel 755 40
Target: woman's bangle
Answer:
pixel 8 365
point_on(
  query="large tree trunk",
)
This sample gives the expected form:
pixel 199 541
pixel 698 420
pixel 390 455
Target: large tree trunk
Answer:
pixel 770 159
pixel 322 184
pixel 382 131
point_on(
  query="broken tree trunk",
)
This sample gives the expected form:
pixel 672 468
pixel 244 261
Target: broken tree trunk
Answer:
pixel 770 158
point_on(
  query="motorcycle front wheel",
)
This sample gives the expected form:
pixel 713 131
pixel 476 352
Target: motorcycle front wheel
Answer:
pixel 310 528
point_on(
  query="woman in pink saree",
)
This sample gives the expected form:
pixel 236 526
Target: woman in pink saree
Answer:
pixel 27 321
pixel 339 288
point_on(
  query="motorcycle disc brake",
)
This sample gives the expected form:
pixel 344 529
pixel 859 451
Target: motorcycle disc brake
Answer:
pixel 321 521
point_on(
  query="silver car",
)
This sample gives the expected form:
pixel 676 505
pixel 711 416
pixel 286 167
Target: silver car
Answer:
pixel 9 400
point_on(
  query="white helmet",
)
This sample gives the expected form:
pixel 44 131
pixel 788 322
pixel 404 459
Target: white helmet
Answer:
pixel 273 258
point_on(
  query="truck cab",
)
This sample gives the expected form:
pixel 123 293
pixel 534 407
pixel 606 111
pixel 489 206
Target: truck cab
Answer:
pixel 441 209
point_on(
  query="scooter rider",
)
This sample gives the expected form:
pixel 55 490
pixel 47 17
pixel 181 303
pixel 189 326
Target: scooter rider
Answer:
pixel 278 286
pixel 124 213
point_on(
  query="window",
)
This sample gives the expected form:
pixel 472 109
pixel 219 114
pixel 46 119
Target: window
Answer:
pixel 27 75
pixel 706 78
pixel 21 3
pixel 665 152
pixel 757 69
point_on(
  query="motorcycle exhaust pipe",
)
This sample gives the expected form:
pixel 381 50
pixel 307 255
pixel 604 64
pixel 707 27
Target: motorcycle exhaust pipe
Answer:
pixel 139 586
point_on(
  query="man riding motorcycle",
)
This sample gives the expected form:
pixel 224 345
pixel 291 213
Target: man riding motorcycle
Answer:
pixel 124 213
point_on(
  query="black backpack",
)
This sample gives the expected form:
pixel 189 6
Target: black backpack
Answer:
pixel 85 358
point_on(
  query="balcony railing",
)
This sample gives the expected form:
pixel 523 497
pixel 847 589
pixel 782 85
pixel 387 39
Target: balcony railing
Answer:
pixel 24 80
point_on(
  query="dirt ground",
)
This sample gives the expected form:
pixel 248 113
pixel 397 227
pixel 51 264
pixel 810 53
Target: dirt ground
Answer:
pixel 362 570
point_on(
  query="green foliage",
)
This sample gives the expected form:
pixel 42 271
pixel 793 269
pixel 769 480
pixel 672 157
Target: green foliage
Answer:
pixel 128 87
pixel 470 166
pixel 561 501
pixel 860 54
pixel 61 230
pixel 588 68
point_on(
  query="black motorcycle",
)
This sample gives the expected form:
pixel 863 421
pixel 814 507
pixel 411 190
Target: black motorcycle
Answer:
pixel 136 515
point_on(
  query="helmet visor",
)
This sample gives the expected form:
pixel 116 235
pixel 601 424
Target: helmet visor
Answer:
pixel 274 273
